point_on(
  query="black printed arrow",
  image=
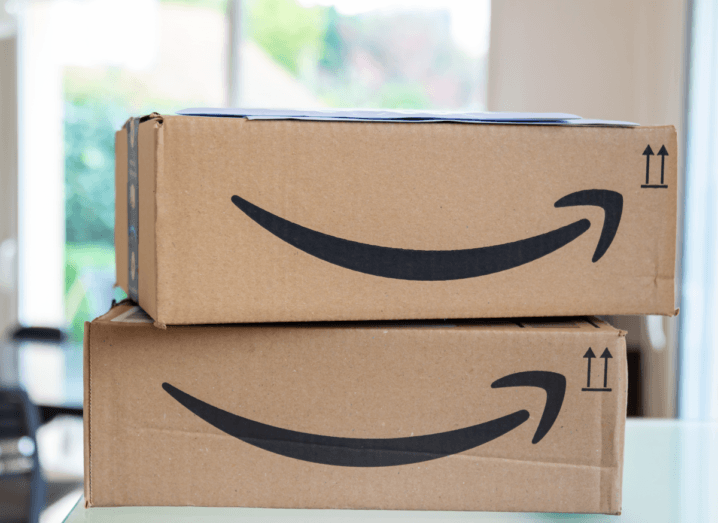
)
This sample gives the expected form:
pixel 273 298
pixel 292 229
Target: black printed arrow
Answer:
pixel 409 264
pixel 589 355
pixel 662 153
pixel 606 355
pixel 648 153
pixel 383 452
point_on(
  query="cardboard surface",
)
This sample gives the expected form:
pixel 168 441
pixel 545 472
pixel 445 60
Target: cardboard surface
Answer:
pixel 486 415
pixel 284 220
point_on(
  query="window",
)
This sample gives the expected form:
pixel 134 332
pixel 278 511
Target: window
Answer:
pixel 87 65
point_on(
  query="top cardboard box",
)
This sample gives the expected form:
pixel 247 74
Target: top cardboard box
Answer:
pixel 239 220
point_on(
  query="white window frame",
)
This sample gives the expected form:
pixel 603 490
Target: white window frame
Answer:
pixel 8 171
pixel 698 367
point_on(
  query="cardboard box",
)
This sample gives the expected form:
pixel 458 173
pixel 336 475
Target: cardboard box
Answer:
pixel 495 416
pixel 277 220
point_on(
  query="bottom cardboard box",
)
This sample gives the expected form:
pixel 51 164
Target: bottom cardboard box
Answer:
pixel 496 416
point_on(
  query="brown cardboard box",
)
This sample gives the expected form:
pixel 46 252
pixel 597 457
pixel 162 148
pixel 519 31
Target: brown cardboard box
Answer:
pixel 472 416
pixel 260 221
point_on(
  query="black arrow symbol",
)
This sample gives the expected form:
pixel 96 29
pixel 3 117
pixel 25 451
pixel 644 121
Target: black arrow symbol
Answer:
pixel 648 153
pixel 590 355
pixel 420 265
pixel 662 153
pixel 382 452
pixel 606 354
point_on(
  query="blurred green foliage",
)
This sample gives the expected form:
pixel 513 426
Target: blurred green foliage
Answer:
pixel 89 134
pixel 403 95
pixel 90 125
pixel 333 52
pixel 80 260
pixel 403 59
pixel 79 310
pixel 285 29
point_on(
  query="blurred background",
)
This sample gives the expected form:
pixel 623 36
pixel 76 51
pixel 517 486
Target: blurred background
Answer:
pixel 72 71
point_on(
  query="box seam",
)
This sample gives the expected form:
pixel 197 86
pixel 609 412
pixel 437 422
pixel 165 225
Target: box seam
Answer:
pixel 621 436
pixel 88 501
pixel 159 167
pixel 607 501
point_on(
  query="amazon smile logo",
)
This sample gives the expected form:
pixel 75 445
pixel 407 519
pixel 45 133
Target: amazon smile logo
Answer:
pixel 418 265
pixel 383 452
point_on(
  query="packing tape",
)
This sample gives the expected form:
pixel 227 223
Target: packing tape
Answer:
pixel 133 212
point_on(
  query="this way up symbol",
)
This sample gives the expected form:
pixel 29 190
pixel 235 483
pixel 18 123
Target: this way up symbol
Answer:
pixel 648 152
pixel 589 356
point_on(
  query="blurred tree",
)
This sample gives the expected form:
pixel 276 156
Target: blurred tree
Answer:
pixel 77 309
pixel 90 125
pixel 334 48
pixel 285 29
pixel 89 133
pixel 402 59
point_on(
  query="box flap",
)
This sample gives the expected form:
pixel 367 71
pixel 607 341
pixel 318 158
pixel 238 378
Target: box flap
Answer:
pixel 127 312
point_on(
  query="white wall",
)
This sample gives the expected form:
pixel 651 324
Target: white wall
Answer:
pixel 8 181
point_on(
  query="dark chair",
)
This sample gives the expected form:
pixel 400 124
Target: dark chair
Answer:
pixel 22 488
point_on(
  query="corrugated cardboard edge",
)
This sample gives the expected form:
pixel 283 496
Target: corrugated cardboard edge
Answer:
pixel 674 230
pixel 159 169
pixel 87 393
pixel 149 157
pixel 615 501
pixel 87 416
